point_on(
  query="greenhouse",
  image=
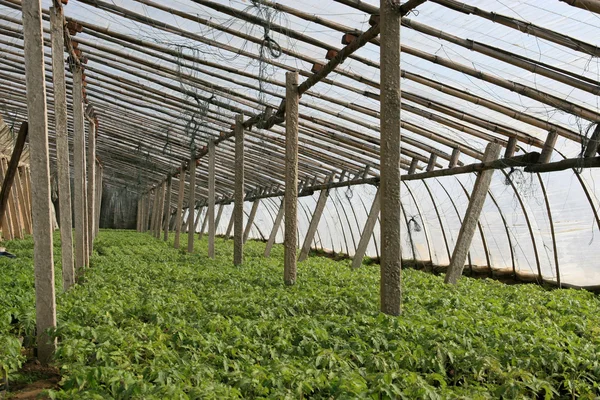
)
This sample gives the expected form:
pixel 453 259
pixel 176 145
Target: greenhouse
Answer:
pixel 282 199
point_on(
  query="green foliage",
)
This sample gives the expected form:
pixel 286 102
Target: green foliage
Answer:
pixel 154 322
pixel 17 303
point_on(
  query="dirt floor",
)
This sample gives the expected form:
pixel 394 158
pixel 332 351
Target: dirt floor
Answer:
pixel 35 380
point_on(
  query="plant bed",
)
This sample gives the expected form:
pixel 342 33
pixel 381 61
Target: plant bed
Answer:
pixel 154 322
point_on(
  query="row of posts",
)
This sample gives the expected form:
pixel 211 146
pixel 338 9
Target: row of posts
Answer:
pixel 87 173
pixel 154 214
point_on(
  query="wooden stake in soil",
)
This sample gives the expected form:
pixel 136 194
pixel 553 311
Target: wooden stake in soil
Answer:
pixel 291 179
pixel 43 257
pixel 192 204
pixel 391 257
pixel 238 208
pixel 469 224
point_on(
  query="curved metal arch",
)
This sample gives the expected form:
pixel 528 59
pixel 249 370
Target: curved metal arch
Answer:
pixel 551 221
pixel 529 227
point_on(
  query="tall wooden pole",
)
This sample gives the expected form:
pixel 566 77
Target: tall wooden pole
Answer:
pixel 85 202
pixel 43 258
pixel 78 182
pixel 211 200
pixel 251 217
pixel 273 235
pixel 367 232
pixel 291 179
pixel 391 257
pixel 192 204
pixel 91 183
pixel 469 223
pixel 179 211
pixel 314 224
pixel 167 208
pixel 99 186
pixel 238 208
pixel 160 209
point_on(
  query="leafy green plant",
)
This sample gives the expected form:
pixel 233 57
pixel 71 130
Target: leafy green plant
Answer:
pixel 154 322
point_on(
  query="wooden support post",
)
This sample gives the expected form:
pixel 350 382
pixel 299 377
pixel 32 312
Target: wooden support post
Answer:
pixel 432 161
pixel 161 208
pixel 11 170
pixel 511 147
pixel 138 215
pixel 45 302
pixel 314 224
pixel 198 218
pixel 204 224
pixel 23 204
pixel 212 224
pixel 251 217
pixel 290 241
pixel 219 213
pixel 179 212
pixel 25 183
pixel 238 208
pixel 10 203
pixel 469 224
pixel 192 203
pixel 230 226
pixel 367 232
pixel 274 231
pixel 91 183
pixel 148 208
pixel 592 146
pixel 391 256
pixel 78 182
pixel 85 207
pixel 7 219
pixel 153 208
pixel 413 166
pixel 167 208
pixel 548 148
pixel 99 187
pixel 454 158
pixel 27 191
